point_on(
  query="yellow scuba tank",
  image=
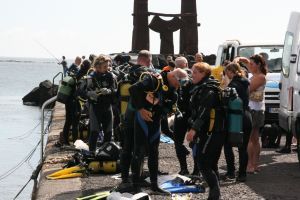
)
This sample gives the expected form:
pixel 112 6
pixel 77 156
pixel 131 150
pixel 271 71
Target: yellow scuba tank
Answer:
pixel 124 93
pixel 104 166
pixel 65 89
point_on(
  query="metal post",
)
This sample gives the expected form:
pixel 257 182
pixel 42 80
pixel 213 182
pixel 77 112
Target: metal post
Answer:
pixel 49 101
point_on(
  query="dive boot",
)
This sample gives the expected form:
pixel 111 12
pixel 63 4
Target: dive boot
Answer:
pixel 184 172
pixel 157 190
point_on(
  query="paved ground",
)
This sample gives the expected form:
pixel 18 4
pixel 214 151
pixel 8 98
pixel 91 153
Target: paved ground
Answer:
pixel 279 177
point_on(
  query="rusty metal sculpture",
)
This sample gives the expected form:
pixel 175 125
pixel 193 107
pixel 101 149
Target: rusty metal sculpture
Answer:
pixel 140 35
pixel 186 22
pixel 189 30
pixel 166 29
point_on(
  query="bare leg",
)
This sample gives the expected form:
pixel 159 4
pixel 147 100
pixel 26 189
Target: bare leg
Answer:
pixel 250 166
pixel 256 147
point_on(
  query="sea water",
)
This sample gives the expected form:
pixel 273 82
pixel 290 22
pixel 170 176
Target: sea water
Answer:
pixel 19 124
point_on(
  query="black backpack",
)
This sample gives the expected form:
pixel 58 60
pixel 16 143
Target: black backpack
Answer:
pixel 109 151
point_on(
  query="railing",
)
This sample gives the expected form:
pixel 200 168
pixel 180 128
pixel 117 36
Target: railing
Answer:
pixel 62 76
pixel 49 101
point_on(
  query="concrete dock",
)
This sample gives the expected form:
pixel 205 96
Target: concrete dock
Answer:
pixel 278 179
pixel 55 158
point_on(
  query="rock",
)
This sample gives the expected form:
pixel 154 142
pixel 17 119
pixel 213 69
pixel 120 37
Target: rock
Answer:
pixel 32 98
pixel 39 95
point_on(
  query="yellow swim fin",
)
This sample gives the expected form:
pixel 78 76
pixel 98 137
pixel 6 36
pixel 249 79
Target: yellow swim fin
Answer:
pixel 66 171
pixel 99 195
pixel 71 175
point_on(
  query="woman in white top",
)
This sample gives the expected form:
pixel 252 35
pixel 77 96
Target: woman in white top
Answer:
pixel 257 66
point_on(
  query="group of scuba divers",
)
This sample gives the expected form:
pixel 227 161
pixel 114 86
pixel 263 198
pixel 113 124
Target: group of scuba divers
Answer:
pixel 192 94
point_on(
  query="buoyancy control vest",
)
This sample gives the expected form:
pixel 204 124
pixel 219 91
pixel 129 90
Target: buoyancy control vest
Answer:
pixel 128 80
pixel 66 88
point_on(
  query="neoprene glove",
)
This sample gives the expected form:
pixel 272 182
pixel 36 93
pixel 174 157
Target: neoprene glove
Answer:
pixel 92 95
pixel 104 91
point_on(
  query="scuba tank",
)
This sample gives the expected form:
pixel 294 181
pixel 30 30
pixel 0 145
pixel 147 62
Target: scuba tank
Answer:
pixel 104 166
pixel 124 93
pixel 65 89
pixel 235 118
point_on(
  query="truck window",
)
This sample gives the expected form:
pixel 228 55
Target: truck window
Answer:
pixel 271 53
pixel 287 50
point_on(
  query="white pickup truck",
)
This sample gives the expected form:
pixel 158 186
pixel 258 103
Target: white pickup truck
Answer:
pixel 232 48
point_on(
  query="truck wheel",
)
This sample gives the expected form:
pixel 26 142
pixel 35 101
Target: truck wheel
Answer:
pixel 297 128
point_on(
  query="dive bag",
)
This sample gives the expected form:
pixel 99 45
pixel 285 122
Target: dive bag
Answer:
pixel 108 151
pixel 65 89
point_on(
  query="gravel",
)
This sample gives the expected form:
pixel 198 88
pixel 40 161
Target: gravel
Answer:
pixel 279 177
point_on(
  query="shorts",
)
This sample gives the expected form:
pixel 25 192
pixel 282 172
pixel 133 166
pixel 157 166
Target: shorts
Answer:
pixel 258 118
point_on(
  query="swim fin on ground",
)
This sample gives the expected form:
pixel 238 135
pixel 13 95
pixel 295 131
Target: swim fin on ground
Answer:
pixel 97 196
pixel 70 172
pixel 178 185
pixel 71 175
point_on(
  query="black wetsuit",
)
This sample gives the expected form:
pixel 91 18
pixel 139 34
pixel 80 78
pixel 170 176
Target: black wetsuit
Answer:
pixel 72 108
pixel 181 125
pixel 242 87
pixel 100 106
pixel 205 97
pixel 147 134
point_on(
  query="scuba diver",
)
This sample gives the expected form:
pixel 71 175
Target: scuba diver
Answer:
pixel 207 125
pixel 128 115
pixel 74 68
pixel 72 105
pixel 99 89
pixel 182 115
pixel 151 97
pixel 241 84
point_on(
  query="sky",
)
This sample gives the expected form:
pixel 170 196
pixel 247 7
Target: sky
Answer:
pixel 52 28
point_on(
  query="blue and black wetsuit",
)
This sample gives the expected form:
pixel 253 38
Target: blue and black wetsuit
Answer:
pixel 127 133
pixel 147 134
